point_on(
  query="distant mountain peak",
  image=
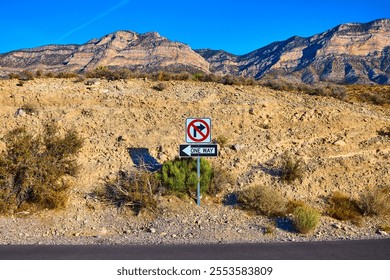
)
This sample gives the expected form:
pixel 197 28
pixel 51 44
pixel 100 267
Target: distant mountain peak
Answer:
pixel 347 53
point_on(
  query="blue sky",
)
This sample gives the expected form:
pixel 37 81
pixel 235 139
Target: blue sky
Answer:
pixel 236 26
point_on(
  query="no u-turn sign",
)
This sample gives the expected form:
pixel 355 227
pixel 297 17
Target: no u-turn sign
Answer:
pixel 198 130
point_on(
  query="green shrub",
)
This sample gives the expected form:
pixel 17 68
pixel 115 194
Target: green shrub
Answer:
pixel 262 200
pixel 305 219
pixel 375 201
pixel 33 170
pixel 342 207
pixel 291 168
pixel 179 176
pixel 269 229
pixel 135 189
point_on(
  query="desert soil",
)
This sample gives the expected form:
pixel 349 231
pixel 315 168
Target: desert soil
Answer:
pixel 338 142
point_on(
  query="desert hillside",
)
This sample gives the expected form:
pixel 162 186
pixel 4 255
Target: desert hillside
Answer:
pixel 339 142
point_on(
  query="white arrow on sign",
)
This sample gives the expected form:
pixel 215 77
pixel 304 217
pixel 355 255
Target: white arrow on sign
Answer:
pixel 187 150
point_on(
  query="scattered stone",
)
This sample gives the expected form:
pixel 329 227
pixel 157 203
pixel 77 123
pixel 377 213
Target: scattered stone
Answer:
pixel 382 232
pixel 103 231
pixel 340 143
pixel 20 113
pixel 152 230
pixel 336 226
pixel 237 147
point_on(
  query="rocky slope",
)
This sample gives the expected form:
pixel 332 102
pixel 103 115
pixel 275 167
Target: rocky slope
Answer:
pixel 338 141
pixel 143 52
pixel 349 53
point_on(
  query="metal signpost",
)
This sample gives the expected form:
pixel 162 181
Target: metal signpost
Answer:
pixel 198 131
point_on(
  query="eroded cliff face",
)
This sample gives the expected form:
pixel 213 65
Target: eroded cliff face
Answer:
pixel 348 53
pixel 144 52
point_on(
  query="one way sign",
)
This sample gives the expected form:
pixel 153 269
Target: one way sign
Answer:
pixel 209 150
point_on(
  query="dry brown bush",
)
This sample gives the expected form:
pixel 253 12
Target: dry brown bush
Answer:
pixel 33 169
pixel 135 189
pixel 375 201
pixel 343 207
pixel 263 200
pixel 291 168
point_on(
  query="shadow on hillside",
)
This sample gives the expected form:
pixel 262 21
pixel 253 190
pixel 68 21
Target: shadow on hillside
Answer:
pixel 273 171
pixel 143 159
pixel 285 224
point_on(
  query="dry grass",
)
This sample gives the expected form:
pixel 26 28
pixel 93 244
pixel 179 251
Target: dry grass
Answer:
pixel 222 140
pixel 262 200
pixel 385 228
pixel 385 132
pixel 220 179
pixel 373 94
pixel 294 204
pixel 159 87
pixel 292 169
pixel 135 189
pixel 342 207
pixel 375 201
pixel 305 219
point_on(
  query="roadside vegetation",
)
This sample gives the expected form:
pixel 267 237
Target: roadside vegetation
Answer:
pixel 136 189
pixel 139 189
pixel 292 168
pixel 35 170
pixel 305 219
pixel 262 199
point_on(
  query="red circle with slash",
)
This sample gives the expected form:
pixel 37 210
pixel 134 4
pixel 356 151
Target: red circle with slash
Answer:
pixel 204 135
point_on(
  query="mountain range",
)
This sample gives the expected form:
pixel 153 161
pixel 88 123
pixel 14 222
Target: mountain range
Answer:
pixel 352 53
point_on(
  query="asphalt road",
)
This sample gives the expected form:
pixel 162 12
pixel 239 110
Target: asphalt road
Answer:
pixel 333 250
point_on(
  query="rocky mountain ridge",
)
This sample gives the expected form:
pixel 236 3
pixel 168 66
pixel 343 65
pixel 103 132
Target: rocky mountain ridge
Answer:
pixel 349 53
pixel 138 52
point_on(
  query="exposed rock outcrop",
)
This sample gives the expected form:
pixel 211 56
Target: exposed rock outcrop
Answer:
pixel 143 52
pixel 349 53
